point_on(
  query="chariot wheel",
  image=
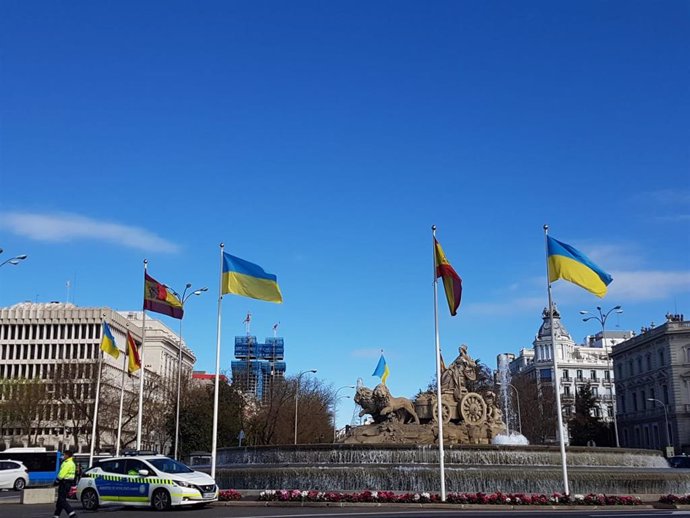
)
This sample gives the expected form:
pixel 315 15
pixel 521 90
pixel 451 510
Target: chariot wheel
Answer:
pixel 445 411
pixel 473 408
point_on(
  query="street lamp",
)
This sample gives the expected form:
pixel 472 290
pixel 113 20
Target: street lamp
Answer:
pixel 299 377
pixel 335 407
pixel 668 436
pixel 183 299
pixel 13 260
pixel 601 318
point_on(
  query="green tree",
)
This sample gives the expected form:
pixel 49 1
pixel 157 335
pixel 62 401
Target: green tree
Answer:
pixel 537 409
pixel 585 426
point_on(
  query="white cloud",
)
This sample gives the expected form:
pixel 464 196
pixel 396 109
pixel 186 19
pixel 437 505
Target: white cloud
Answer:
pixel 648 284
pixel 64 227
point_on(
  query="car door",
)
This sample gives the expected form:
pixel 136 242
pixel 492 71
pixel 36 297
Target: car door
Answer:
pixel 136 489
pixel 110 482
pixel 4 474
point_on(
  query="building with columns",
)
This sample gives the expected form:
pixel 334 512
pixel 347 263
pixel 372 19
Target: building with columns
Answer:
pixel 49 361
pixel 578 365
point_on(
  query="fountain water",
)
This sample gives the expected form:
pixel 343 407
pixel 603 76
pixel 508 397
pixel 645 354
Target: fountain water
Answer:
pixel 512 418
pixel 469 468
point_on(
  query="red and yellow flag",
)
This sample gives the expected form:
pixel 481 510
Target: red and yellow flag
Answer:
pixel 133 359
pixel 158 298
pixel 452 283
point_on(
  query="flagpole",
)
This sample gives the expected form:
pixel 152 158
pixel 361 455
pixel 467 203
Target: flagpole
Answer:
pixel 439 407
pixel 98 397
pixel 556 377
pixel 122 398
pixel 141 370
pixel 214 442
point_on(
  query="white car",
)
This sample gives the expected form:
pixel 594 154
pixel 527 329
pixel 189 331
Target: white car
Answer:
pixel 13 475
pixel 145 480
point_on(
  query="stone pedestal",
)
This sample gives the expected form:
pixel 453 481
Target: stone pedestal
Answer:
pixel 38 495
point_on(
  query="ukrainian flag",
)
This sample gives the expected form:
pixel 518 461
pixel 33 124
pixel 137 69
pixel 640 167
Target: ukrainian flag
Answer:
pixel 568 263
pixel 241 277
pixel 108 342
pixel 382 370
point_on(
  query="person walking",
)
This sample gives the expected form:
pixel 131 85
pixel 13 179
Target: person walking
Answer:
pixel 65 480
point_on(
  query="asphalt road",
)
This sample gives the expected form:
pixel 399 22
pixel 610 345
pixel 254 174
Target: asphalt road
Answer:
pixel 11 510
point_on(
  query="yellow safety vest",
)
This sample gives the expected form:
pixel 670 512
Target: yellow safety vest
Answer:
pixel 68 470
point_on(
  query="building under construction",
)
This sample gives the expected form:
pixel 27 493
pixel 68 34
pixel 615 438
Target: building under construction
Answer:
pixel 258 365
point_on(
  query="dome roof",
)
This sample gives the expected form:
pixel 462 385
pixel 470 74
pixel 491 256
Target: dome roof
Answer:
pixel 559 330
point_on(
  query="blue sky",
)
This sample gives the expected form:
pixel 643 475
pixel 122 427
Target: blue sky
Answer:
pixel 322 140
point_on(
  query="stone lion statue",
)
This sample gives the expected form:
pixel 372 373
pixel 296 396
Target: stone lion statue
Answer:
pixel 382 405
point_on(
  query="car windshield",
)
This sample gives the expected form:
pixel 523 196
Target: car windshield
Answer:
pixel 169 466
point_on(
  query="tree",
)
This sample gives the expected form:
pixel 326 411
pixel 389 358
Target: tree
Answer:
pixel 23 406
pixel 586 427
pixel 537 409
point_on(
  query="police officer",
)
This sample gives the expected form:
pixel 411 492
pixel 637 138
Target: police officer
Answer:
pixel 65 480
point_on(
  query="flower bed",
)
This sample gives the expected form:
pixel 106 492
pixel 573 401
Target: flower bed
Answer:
pixel 499 498
pixel 226 495
pixel 675 499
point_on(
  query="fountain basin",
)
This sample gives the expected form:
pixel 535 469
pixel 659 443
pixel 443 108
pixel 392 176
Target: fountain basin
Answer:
pixel 485 468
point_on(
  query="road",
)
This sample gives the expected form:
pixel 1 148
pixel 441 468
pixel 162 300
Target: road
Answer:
pixel 11 510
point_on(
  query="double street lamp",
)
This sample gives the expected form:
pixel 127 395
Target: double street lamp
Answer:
pixel 183 299
pixel 335 408
pixel 601 318
pixel 668 435
pixel 13 260
pixel 299 377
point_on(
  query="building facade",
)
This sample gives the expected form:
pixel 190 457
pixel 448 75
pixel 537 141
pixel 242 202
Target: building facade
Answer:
pixel 49 362
pixel 578 365
pixel 653 386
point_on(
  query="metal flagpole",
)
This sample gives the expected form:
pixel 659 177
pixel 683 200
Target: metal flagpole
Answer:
pixel 122 397
pixel 142 369
pixel 438 375
pixel 98 396
pixel 556 377
pixel 214 442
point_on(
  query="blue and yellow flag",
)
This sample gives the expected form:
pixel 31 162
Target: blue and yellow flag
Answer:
pixel 241 277
pixel 108 342
pixel 382 370
pixel 568 263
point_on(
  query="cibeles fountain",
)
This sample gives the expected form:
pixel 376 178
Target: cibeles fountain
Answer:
pixel 398 450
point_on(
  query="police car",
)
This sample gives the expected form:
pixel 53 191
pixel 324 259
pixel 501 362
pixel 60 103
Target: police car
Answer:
pixel 143 480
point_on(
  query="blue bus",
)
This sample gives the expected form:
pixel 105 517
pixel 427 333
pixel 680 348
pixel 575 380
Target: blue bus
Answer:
pixel 43 465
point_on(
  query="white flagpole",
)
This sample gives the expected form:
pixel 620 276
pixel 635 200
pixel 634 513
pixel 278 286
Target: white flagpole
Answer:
pixel 98 397
pixel 141 370
pixel 439 407
pixel 122 398
pixel 556 377
pixel 214 442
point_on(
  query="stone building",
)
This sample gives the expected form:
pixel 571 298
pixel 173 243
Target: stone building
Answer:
pixel 49 359
pixel 578 365
pixel 653 386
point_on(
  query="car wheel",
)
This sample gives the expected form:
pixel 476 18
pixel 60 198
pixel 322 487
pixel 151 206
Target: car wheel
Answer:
pixel 89 500
pixel 19 484
pixel 161 500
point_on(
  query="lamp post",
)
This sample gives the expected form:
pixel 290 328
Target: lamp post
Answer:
pixel 668 436
pixel 299 377
pixel 13 260
pixel 335 407
pixel 601 318
pixel 183 299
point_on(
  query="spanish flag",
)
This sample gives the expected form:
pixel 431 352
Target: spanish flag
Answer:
pixel 133 359
pixel 108 342
pixel 452 283
pixel 160 299
pixel 568 263
pixel 241 277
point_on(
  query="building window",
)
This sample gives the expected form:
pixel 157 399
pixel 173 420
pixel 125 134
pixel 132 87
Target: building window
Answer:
pixel 639 365
pixel 566 374
pixel 545 374
pixel 649 361
pixel 595 391
pixel 607 375
pixel 643 396
pixel 566 390
pixel 662 360
pixel 579 375
pixel 609 411
pixel 665 392
pixel 593 374
pixel 634 400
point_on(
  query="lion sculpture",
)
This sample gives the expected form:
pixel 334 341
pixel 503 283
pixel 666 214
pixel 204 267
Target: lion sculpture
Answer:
pixel 382 405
